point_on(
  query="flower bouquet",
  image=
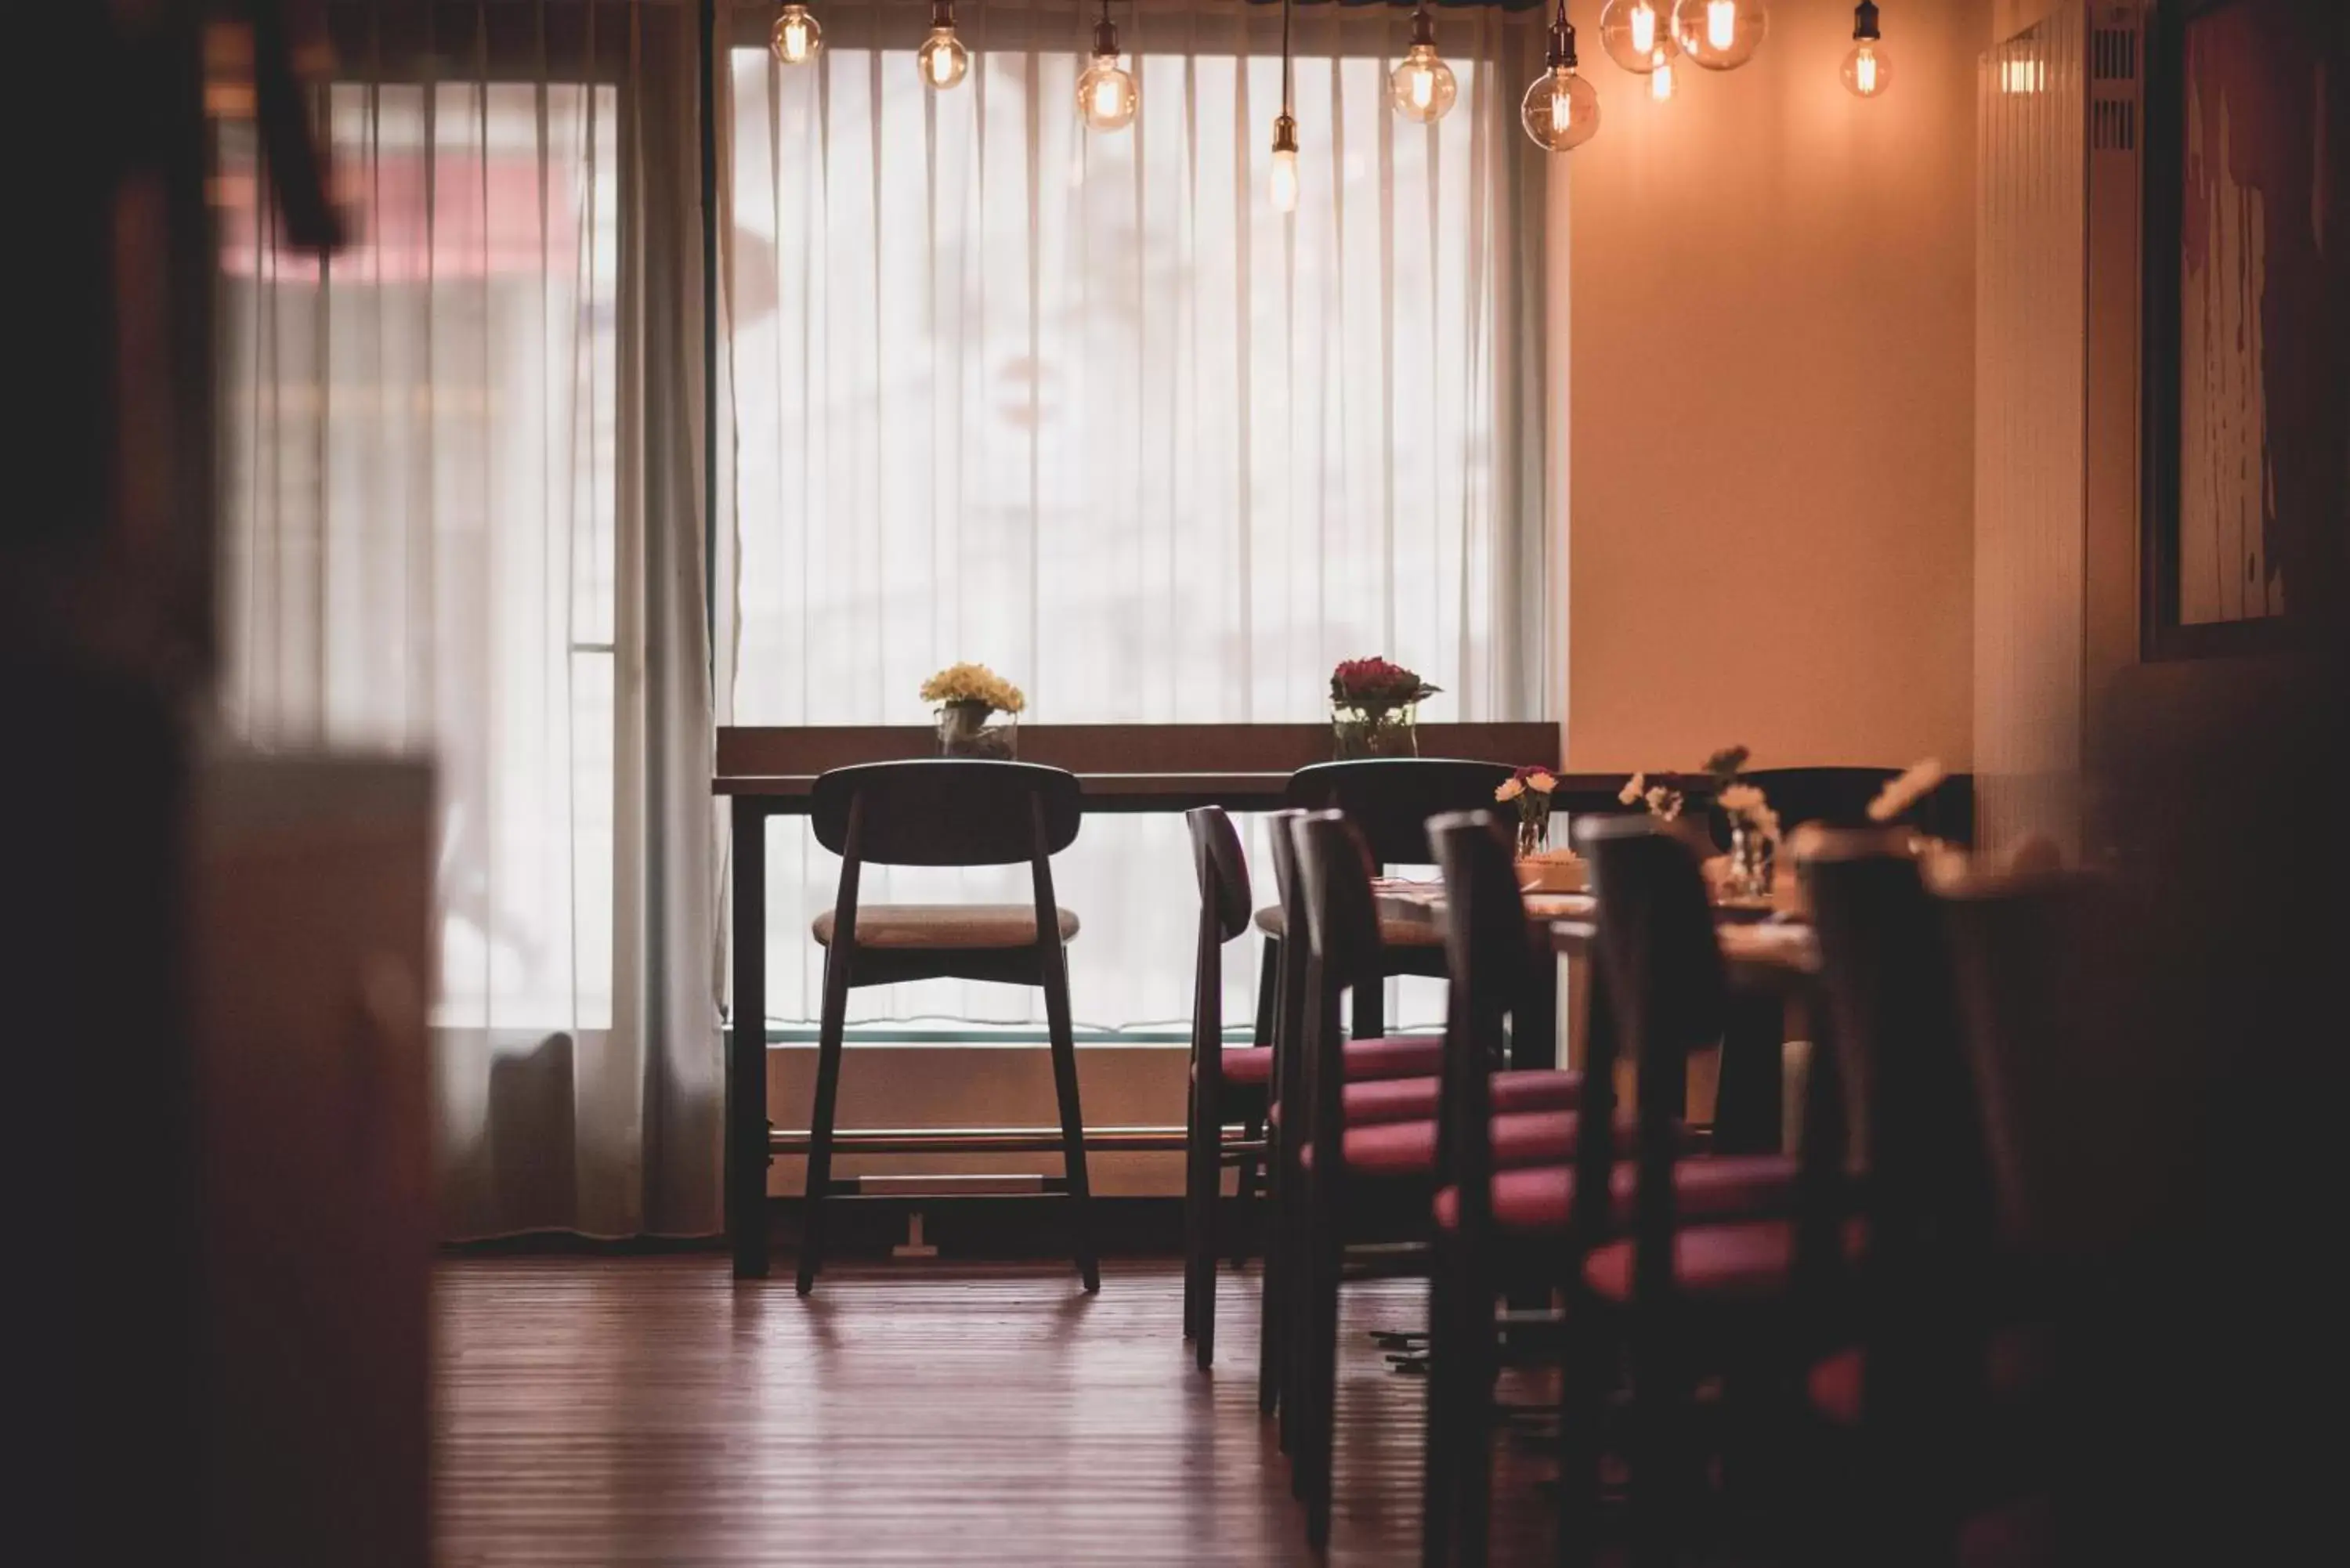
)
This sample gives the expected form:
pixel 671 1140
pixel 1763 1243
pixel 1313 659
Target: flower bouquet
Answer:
pixel 1753 827
pixel 966 696
pixel 1540 868
pixel 1374 709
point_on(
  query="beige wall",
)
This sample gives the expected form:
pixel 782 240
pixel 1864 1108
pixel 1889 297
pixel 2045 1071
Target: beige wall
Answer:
pixel 1770 357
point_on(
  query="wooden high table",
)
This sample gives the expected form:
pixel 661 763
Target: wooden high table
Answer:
pixel 772 772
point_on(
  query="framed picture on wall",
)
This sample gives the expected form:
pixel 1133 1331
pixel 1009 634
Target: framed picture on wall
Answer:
pixel 2247 378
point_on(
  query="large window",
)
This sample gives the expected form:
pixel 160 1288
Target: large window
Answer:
pixel 1085 407
pixel 421 498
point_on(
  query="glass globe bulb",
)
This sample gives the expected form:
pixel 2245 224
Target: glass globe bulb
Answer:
pixel 1284 180
pixel 1422 87
pixel 1561 111
pixel 796 37
pixel 1639 34
pixel 1867 71
pixel 1105 95
pixel 1720 35
pixel 943 58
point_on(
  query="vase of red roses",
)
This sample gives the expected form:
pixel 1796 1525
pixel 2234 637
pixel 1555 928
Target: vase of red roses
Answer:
pixel 1375 709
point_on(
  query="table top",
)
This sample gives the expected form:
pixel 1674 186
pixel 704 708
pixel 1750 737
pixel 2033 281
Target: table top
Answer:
pixel 1762 950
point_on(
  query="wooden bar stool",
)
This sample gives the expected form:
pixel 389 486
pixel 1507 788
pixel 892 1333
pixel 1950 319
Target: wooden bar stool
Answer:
pixel 946 813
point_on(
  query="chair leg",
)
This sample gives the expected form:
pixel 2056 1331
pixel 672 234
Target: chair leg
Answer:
pixel 1457 1487
pixel 1660 1435
pixel 1582 1433
pixel 1207 1180
pixel 1319 1375
pixel 830 1033
pixel 1191 1201
pixel 1270 1322
pixel 1073 1121
pixel 1247 1180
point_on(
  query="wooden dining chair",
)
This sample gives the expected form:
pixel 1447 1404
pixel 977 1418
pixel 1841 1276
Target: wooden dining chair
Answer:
pixel 1359 1172
pixel 946 813
pixel 1670 1298
pixel 1513 1229
pixel 1910 1399
pixel 1391 800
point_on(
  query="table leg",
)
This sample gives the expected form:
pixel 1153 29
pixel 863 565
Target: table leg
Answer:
pixel 747 1053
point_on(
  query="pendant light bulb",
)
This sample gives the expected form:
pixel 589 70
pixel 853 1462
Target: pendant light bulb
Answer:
pixel 796 37
pixel 1639 34
pixel 1422 87
pixel 1721 35
pixel 1561 111
pixel 1105 95
pixel 1867 71
pixel 1660 79
pixel 942 57
pixel 1283 189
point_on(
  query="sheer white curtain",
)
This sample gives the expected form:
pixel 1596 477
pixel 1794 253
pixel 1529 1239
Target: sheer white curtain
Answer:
pixel 1083 407
pixel 466 516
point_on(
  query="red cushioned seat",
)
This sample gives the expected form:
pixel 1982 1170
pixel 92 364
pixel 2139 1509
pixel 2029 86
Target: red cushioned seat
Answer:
pixel 1745 1262
pixel 2014 1368
pixel 1397 1057
pixel 1735 1186
pixel 1414 1099
pixel 1520 1138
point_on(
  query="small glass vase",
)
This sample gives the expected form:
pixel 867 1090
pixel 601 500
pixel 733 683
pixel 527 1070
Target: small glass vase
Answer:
pixel 1749 862
pixel 1534 836
pixel 964 731
pixel 1375 732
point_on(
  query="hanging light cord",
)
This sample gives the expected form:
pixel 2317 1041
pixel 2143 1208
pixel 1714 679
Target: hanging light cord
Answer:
pixel 1285 56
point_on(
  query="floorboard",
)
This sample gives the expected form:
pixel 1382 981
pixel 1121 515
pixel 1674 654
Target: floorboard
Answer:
pixel 651 1410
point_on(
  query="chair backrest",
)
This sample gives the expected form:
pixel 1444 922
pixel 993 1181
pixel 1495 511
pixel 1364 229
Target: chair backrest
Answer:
pixel 947 812
pixel 1223 869
pixel 1840 797
pixel 1661 973
pixel 1342 922
pixel 2021 952
pixel 1390 799
pixel 1488 960
pixel 1910 1096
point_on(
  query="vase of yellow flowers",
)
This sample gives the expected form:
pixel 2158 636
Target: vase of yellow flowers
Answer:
pixel 1375 709
pixel 967 697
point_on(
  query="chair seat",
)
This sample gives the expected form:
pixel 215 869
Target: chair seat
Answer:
pixel 937 926
pixel 2014 1370
pixel 1392 933
pixel 1397 1057
pixel 1726 1264
pixel 1414 1099
pixel 1735 1186
pixel 1520 1138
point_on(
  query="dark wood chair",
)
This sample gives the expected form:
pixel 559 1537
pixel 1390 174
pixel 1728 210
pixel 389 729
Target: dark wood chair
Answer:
pixel 1519 1231
pixel 1910 1398
pixel 1670 1299
pixel 1391 800
pixel 1840 797
pixel 1350 1172
pixel 946 813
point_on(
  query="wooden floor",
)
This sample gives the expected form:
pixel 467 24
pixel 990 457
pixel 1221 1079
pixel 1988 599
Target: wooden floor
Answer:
pixel 651 1410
